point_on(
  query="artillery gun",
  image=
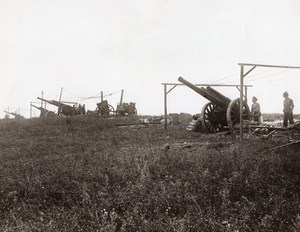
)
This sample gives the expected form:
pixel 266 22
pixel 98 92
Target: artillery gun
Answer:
pixel 45 113
pixel 221 111
pixel 64 109
pixel 126 109
pixel 104 109
pixel 17 116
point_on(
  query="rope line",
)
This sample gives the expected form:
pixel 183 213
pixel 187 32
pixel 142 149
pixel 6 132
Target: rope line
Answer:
pixel 91 97
pixel 266 76
pixel 222 79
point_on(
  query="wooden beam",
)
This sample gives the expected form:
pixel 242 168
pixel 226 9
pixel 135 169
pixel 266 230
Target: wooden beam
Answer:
pixel 171 89
pixel 219 85
pixel 249 71
pixel 268 66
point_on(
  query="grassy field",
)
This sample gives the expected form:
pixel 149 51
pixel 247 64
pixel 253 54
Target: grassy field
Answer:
pixel 87 174
pixel 277 116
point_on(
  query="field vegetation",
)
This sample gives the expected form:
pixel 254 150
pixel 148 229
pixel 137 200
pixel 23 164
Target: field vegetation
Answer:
pixel 277 116
pixel 88 174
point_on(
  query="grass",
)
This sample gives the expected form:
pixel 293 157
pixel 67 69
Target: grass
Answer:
pixel 277 116
pixel 86 174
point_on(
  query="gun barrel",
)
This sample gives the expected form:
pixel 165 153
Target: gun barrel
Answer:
pixel 52 102
pixel 205 93
pixel 39 108
pixel 12 113
pixel 218 95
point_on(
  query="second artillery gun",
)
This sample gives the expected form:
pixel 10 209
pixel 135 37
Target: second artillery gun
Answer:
pixel 44 112
pixel 221 111
pixel 64 109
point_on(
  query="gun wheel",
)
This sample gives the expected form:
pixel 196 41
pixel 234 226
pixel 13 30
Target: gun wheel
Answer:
pixel 210 118
pixel 59 112
pixel 233 113
pixel 111 110
pixel 105 110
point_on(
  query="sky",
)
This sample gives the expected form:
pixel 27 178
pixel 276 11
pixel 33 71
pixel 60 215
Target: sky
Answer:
pixel 87 46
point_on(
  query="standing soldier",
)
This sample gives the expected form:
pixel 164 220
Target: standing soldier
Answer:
pixel 288 106
pixel 255 110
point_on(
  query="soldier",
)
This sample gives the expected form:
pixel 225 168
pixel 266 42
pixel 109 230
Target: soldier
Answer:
pixel 83 110
pixel 255 110
pixel 288 106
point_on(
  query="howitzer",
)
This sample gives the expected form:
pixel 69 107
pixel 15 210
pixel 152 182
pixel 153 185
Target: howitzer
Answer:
pixel 64 109
pixel 17 116
pixel 44 112
pixel 221 111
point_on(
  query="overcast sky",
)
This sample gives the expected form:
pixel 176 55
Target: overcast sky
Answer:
pixel 89 46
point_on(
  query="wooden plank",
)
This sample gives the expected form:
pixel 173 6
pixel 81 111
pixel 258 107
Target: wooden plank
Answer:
pixel 219 85
pixel 269 66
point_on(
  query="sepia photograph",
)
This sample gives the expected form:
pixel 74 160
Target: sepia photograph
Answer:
pixel 149 115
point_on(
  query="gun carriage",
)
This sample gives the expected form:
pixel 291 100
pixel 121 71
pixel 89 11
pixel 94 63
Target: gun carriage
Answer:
pixel 221 111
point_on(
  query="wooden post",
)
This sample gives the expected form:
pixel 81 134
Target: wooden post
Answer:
pixel 241 102
pixel 60 94
pixel 42 97
pixel 246 93
pixel 101 96
pixel 121 100
pixel 30 109
pixel 58 109
pixel 165 105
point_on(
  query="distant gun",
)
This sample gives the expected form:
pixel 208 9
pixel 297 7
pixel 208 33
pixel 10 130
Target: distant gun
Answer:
pixel 44 112
pixel 65 109
pixel 17 116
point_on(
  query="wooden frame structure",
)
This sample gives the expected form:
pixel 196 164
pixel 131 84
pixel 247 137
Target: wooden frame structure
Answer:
pixel 242 76
pixel 173 85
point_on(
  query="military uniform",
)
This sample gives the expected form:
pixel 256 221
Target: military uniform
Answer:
pixel 255 110
pixel 288 106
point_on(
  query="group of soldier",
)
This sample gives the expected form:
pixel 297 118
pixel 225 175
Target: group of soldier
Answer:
pixel 288 107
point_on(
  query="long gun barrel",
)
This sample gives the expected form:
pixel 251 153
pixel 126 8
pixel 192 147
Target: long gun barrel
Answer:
pixel 205 93
pixel 44 112
pixel 52 102
pixel 39 108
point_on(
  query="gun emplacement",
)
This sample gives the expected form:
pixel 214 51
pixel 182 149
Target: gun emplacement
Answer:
pixel 221 111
